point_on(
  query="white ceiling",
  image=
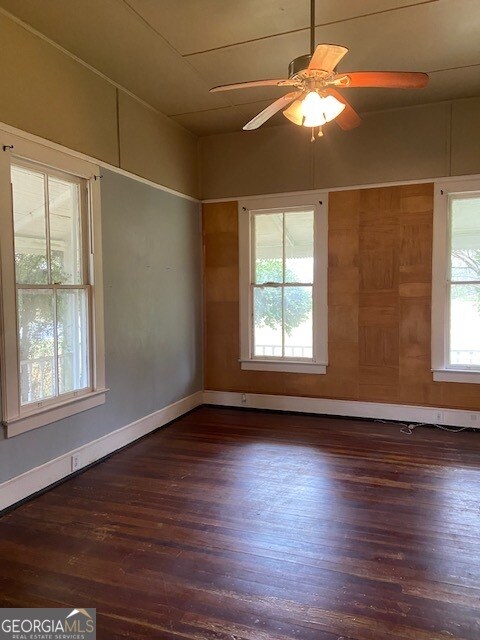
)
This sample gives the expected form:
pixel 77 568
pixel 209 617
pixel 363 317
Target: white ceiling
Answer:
pixel 169 52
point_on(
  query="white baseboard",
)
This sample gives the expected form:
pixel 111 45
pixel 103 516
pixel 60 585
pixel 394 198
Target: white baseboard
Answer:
pixel 30 482
pixel 36 479
pixel 348 408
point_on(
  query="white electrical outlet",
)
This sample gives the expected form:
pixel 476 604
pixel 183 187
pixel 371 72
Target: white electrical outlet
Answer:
pixel 473 418
pixel 244 398
pixel 75 462
pixel 438 417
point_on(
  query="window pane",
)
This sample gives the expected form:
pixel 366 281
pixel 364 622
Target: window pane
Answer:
pixel 36 345
pixel 465 249
pixel 299 246
pixel 64 208
pixel 29 225
pixel 267 304
pixel 298 322
pixel 268 247
pixel 465 325
pixel 72 336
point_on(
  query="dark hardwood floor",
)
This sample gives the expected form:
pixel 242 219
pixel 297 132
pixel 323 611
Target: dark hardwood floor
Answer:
pixel 238 525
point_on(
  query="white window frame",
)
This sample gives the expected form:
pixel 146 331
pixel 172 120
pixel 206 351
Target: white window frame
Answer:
pixel 18 419
pixel 318 202
pixel 442 371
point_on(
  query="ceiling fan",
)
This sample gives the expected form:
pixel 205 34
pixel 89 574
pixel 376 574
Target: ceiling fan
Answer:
pixel 315 99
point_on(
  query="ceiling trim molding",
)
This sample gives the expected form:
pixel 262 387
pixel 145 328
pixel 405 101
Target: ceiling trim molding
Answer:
pixel 353 187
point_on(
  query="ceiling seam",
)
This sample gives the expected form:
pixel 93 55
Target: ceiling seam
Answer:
pixel 175 50
pixel 363 113
pixel 189 113
pixel 228 104
pixel 466 66
pixel 301 29
pixel 259 102
pixel 28 27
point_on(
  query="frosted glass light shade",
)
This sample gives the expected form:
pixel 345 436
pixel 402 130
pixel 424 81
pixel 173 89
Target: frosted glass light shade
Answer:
pixel 317 110
pixel 294 112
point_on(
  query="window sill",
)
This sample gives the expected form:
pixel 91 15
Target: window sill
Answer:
pixel 283 366
pixel 468 376
pixel 52 413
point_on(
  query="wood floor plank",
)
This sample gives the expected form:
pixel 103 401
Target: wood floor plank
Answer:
pixel 243 525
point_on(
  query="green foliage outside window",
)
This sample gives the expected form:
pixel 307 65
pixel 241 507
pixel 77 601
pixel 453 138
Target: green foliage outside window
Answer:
pixel 268 312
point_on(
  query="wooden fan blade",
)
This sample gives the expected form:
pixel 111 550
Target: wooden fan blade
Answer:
pixel 349 118
pixel 386 79
pixel 327 56
pixel 271 110
pixel 253 83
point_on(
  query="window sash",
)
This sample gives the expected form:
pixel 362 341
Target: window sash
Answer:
pixel 280 285
pixel 442 284
pixel 450 283
pixel 83 210
pixel 452 197
pixel 283 357
pixel 448 358
pixel 316 201
pixel 21 150
pixel 58 396
pixel 33 407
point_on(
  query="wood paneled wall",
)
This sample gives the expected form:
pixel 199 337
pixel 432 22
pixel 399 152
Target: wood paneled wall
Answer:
pixel 379 293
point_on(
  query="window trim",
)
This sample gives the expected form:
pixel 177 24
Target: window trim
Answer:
pixel 318 201
pixel 16 419
pixel 441 370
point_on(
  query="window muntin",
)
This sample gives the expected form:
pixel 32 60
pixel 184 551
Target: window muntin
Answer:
pixel 62 166
pixel 272 246
pixel 281 287
pixel 463 281
pixel 52 290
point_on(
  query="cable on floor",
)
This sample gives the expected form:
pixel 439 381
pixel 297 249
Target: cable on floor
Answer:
pixel 407 428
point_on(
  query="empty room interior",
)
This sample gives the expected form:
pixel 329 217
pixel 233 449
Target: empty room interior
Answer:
pixel 240 319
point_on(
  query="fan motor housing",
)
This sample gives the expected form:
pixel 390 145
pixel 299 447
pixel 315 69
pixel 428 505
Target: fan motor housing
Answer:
pixel 298 64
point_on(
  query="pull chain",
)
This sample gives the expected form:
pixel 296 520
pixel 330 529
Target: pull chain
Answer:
pixel 319 134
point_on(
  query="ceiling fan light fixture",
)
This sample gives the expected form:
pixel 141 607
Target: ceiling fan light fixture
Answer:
pixel 294 111
pixel 317 110
pixel 314 100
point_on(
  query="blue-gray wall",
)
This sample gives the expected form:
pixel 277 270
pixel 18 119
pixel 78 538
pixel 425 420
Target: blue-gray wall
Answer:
pixel 153 319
